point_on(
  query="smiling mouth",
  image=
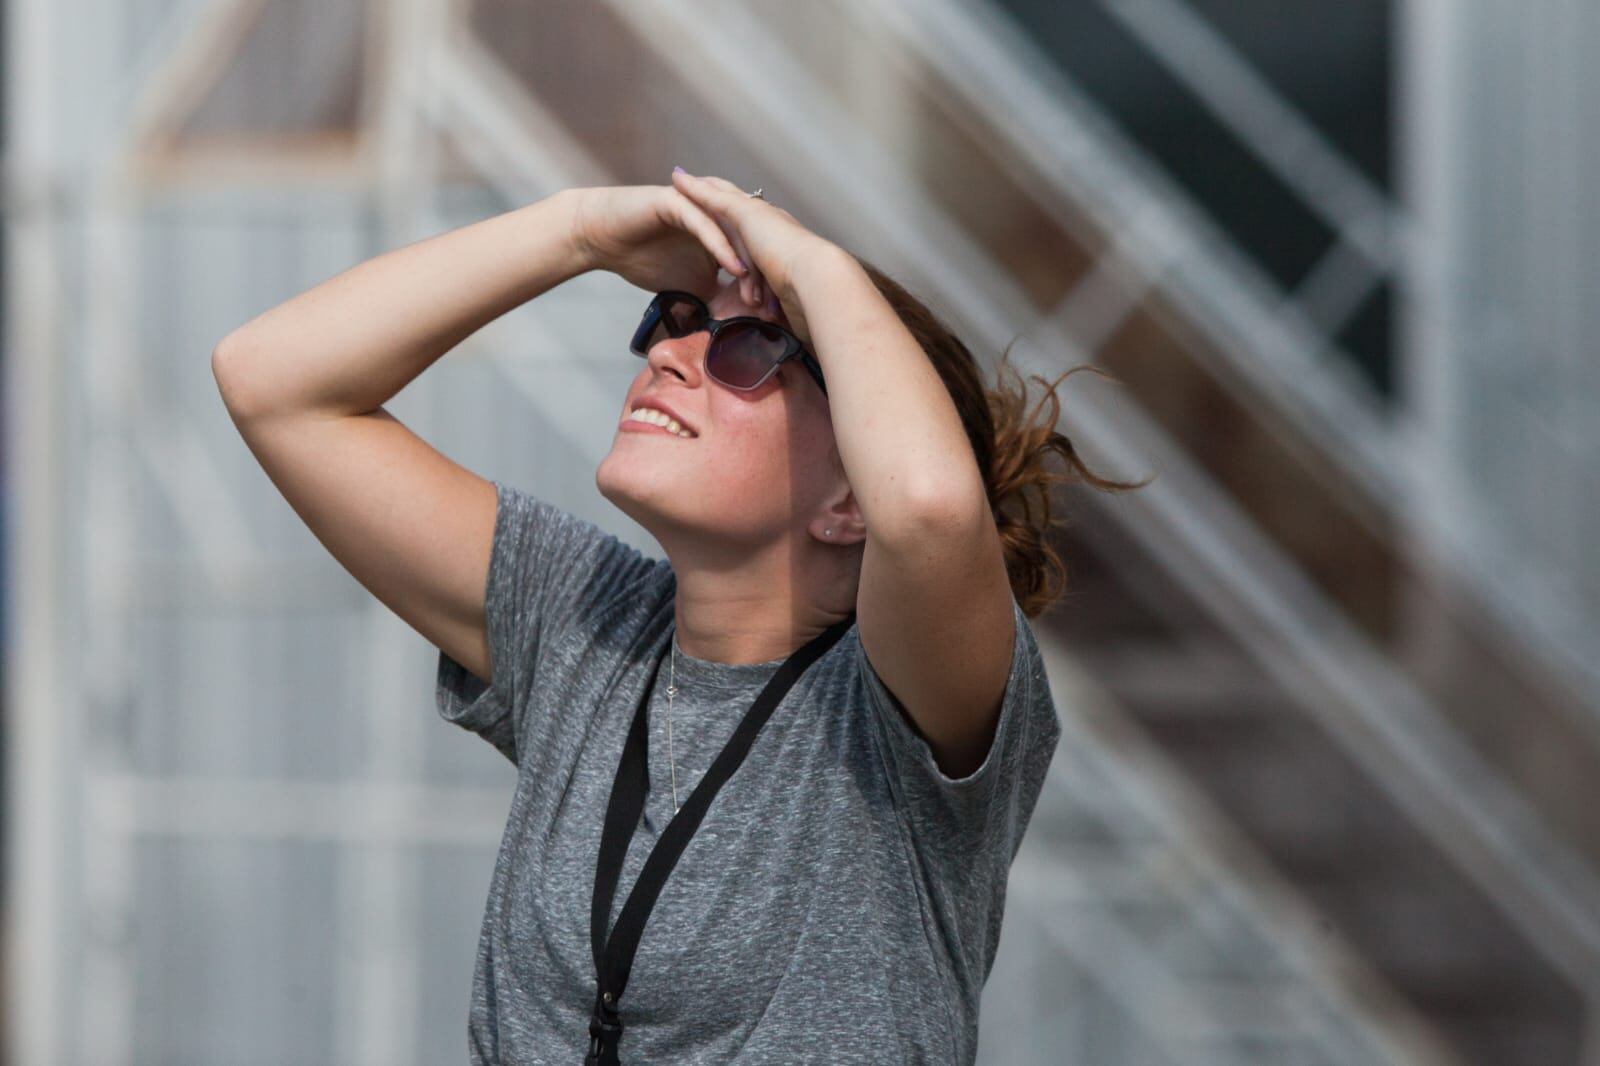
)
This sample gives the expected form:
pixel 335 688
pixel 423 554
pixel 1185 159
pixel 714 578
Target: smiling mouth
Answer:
pixel 656 421
pixel 632 426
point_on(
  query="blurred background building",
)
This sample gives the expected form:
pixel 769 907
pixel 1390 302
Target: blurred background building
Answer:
pixel 1329 791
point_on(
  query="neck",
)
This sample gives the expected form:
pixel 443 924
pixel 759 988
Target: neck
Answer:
pixel 724 619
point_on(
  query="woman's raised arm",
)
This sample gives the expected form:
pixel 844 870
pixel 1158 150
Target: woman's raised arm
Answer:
pixel 350 343
pixel 305 382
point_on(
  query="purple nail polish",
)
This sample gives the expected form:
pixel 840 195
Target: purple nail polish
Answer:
pixel 679 170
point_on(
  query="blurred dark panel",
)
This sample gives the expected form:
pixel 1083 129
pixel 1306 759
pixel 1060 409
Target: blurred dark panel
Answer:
pixel 1331 62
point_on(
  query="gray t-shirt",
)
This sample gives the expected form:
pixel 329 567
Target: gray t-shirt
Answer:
pixel 840 902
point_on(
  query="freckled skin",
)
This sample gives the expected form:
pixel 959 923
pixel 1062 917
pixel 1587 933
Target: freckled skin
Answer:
pixel 756 474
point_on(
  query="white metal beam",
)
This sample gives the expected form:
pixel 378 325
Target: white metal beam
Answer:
pixel 42 697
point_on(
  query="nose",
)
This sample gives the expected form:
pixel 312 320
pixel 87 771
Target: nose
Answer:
pixel 683 355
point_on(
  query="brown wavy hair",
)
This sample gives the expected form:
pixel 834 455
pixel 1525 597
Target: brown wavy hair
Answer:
pixel 1011 444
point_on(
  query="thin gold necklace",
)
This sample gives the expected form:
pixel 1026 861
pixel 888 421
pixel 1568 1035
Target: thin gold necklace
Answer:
pixel 672 690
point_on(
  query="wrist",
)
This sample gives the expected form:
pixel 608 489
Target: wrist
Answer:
pixel 822 266
pixel 823 261
pixel 580 254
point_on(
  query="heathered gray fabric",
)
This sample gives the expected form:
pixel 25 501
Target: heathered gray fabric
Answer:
pixel 841 901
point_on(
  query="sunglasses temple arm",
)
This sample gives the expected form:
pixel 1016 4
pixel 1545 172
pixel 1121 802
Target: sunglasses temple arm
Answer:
pixel 816 371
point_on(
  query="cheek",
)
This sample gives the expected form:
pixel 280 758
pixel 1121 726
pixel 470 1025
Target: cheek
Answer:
pixel 783 457
pixel 753 452
pixel 752 456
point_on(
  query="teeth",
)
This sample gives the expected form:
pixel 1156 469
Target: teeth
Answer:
pixel 657 418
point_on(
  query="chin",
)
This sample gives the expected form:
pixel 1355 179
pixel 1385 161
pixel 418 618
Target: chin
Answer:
pixel 633 490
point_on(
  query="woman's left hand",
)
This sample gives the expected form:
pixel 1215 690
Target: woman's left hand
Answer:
pixel 768 238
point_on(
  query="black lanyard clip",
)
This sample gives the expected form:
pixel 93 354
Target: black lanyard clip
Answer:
pixel 605 1030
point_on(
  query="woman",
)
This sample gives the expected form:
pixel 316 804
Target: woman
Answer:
pixel 825 705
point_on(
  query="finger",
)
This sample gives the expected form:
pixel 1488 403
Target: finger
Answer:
pixel 758 290
pixel 695 219
pixel 763 293
pixel 745 198
pixel 754 299
pixel 719 196
pixel 749 281
pixel 749 286
pixel 733 196
pixel 715 194
pixel 724 184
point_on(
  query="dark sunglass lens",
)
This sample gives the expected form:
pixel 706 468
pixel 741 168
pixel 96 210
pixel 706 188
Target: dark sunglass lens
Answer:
pixel 674 316
pixel 744 352
pixel 682 316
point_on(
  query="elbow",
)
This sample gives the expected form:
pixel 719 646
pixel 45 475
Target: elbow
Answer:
pixel 932 514
pixel 951 501
pixel 227 372
pixel 222 356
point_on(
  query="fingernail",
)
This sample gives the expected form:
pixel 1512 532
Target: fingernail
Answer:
pixel 679 170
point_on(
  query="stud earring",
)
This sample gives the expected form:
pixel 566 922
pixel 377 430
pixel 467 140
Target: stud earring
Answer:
pixel 827 532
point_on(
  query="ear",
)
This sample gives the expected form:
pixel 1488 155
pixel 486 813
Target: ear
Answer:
pixel 843 518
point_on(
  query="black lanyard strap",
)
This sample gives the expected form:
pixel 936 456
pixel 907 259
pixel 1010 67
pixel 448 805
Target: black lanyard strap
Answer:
pixel 613 955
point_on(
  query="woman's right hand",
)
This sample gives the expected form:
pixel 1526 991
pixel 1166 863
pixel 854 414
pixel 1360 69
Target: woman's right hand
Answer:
pixel 655 237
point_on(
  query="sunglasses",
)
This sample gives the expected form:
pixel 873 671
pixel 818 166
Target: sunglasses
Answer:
pixel 744 351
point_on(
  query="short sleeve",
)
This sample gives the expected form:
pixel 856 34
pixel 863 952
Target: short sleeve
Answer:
pixel 991 806
pixel 966 831
pixel 547 567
